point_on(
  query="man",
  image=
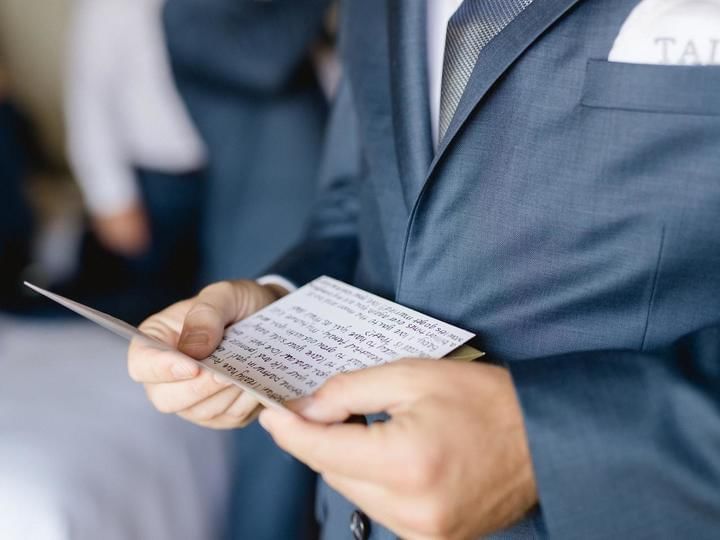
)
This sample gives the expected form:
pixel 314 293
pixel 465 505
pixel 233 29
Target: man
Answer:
pixel 568 215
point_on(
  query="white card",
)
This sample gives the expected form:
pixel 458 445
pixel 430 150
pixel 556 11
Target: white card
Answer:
pixel 291 347
pixel 288 349
pixel 671 32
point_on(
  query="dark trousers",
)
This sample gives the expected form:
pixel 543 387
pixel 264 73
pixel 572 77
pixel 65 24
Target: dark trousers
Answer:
pixel 15 216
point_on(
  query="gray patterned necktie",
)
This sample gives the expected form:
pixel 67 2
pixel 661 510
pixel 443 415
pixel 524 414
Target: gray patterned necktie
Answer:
pixel 470 28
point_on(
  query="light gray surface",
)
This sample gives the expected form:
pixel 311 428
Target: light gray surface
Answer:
pixel 84 455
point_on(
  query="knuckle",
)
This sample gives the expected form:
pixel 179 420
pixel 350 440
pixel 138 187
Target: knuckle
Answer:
pixel 160 371
pixel 198 388
pixel 334 386
pixel 164 407
pixel 202 413
pixel 203 307
pixel 161 404
pixel 405 369
pixel 434 518
pixel 245 421
pixel 427 467
pixel 221 288
pixel 242 409
pixel 149 322
pixel 152 326
pixel 143 365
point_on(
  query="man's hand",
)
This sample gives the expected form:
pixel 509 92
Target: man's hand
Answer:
pixel 195 327
pixel 126 232
pixel 452 462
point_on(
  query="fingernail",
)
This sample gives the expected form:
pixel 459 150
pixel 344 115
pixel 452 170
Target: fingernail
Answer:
pixel 183 371
pixel 195 338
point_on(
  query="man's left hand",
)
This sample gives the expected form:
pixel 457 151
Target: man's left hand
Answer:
pixel 452 462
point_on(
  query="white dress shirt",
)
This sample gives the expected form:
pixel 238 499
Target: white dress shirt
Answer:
pixel 123 110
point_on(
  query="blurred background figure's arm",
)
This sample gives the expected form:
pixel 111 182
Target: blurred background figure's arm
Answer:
pixel 123 112
pixel 95 149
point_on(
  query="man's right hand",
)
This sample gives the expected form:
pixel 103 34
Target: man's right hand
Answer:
pixel 195 327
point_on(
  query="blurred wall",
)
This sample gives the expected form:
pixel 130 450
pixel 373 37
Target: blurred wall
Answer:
pixel 32 45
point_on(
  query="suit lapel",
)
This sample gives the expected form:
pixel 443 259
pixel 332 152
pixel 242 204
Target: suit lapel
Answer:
pixel 495 59
pixel 365 48
pixel 409 88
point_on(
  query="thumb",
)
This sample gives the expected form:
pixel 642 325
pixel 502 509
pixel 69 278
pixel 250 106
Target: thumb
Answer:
pixel 217 306
pixel 204 325
pixel 367 391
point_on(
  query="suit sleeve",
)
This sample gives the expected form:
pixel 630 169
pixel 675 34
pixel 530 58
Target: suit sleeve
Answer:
pixel 330 246
pixel 627 444
pixel 251 47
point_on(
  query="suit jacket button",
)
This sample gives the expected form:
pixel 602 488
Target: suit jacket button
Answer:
pixel 359 525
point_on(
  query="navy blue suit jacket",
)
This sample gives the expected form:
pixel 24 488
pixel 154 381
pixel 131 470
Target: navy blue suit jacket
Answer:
pixel 570 219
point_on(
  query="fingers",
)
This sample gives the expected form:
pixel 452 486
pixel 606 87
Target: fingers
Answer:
pixel 228 409
pixel 148 365
pixel 367 391
pixel 352 450
pixel 174 382
pixel 175 397
pixel 194 326
pixel 245 407
pixel 212 407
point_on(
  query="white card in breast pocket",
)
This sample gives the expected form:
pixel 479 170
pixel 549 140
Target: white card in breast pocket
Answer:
pixel 670 32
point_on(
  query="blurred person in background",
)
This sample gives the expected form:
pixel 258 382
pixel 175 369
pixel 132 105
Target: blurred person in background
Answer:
pixel 137 158
pixel 72 467
pixel 246 73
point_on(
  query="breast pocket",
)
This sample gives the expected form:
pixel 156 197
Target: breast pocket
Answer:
pixel 650 147
pixel 690 90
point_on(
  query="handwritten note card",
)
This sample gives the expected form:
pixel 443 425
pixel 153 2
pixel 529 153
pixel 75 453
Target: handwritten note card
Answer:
pixel 327 327
pixel 292 346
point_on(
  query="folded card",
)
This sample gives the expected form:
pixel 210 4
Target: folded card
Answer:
pixel 289 348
